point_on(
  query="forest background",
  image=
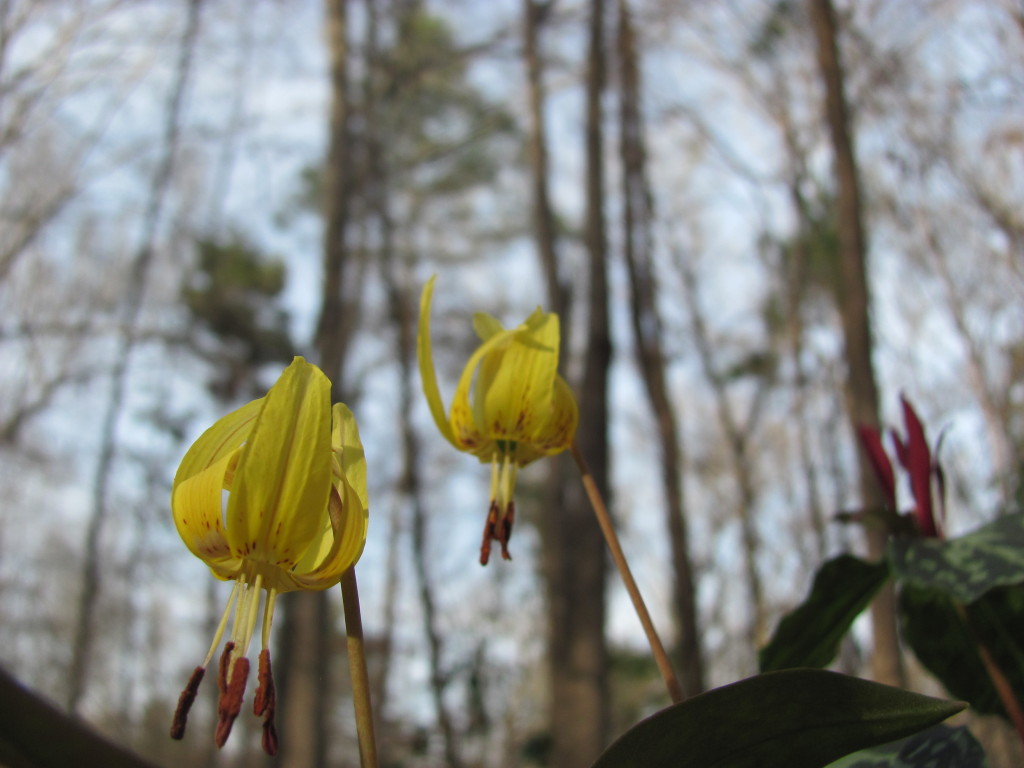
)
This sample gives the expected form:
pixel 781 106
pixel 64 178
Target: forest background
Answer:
pixel 194 192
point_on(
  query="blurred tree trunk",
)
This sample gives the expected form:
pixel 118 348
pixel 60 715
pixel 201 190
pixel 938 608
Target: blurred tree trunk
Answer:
pixel 380 116
pixel 303 668
pixel 334 327
pixel 574 549
pixel 306 663
pixel 647 330
pixel 854 309
pixel 544 230
pixel 141 267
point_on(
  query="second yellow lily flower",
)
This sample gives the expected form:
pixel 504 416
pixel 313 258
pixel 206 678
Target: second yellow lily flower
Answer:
pixel 510 407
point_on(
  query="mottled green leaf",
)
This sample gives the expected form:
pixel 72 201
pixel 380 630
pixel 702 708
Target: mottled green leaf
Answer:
pixel 965 567
pixel 938 747
pixel 797 718
pixel 935 630
pixel 810 635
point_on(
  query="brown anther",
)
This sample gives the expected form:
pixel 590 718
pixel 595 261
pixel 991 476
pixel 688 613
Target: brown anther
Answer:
pixel 185 703
pixel 506 529
pixel 490 526
pixel 222 668
pixel 265 703
pixel 269 740
pixel 230 703
pixel 265 694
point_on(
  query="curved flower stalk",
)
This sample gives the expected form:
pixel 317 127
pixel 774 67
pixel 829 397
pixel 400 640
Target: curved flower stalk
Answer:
pixel 510 406
pixel 295 517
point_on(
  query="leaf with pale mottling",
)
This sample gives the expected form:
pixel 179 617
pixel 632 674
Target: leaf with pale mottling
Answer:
pixel 938 747
pixel 968 566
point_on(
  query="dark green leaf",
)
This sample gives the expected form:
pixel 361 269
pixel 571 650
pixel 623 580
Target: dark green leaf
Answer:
pixel 797 718
pixel 938 747
pixel 965 567
pixel 810 635
pixel 935 630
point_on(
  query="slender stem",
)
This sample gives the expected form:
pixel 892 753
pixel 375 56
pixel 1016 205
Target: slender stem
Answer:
pixel 357 670
pixel 675 691
pixel 996 675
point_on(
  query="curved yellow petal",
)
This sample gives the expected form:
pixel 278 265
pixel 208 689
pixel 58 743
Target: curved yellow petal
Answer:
pixel 196 508
pixel 338 547
pixel 470 434
pixel 486 326
pixel 343 523
pixel 556 433
pixel 281 485
pixel 348 449
pixel 428 374
pixel 225 436
pixel 517 399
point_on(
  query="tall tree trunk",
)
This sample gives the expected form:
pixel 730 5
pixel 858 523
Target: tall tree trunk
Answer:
pixel 575 550
pixel 304 678
pixel 410 483
pixel 306 663
pixel 854 309
pixel 545 234
pixel 333 327
pixel 141 266
pixel 638 244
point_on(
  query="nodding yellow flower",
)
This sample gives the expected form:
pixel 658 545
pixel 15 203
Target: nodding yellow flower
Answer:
pixel 510 406
pixel 294 516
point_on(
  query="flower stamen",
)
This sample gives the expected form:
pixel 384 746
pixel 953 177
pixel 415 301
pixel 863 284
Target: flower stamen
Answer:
pixel 501 513
pixel 188 696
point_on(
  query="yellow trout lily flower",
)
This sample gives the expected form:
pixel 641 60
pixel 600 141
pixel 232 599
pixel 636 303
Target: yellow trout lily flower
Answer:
pixel 294 516
pixel 510 406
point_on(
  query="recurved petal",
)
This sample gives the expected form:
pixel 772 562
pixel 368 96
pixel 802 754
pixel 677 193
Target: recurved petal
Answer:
pixel 225 436
pixel 517 399
pixel 283 478
pixel 339 545
pixel 469 432
pixel 486 326
pixel 557 432
pixel 348 450
pixel 425 356
pixel 196 508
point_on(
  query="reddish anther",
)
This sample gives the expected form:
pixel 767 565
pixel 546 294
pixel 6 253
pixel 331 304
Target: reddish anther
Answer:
pixel 185 703
pixel 506 529
pixel 265 702
pixel 222 668
pixel 498 527
pixel 230 703
pixel 490 526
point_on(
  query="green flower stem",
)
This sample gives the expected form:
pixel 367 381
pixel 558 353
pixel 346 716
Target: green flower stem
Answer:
pixel 357 670
pixel 675 691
